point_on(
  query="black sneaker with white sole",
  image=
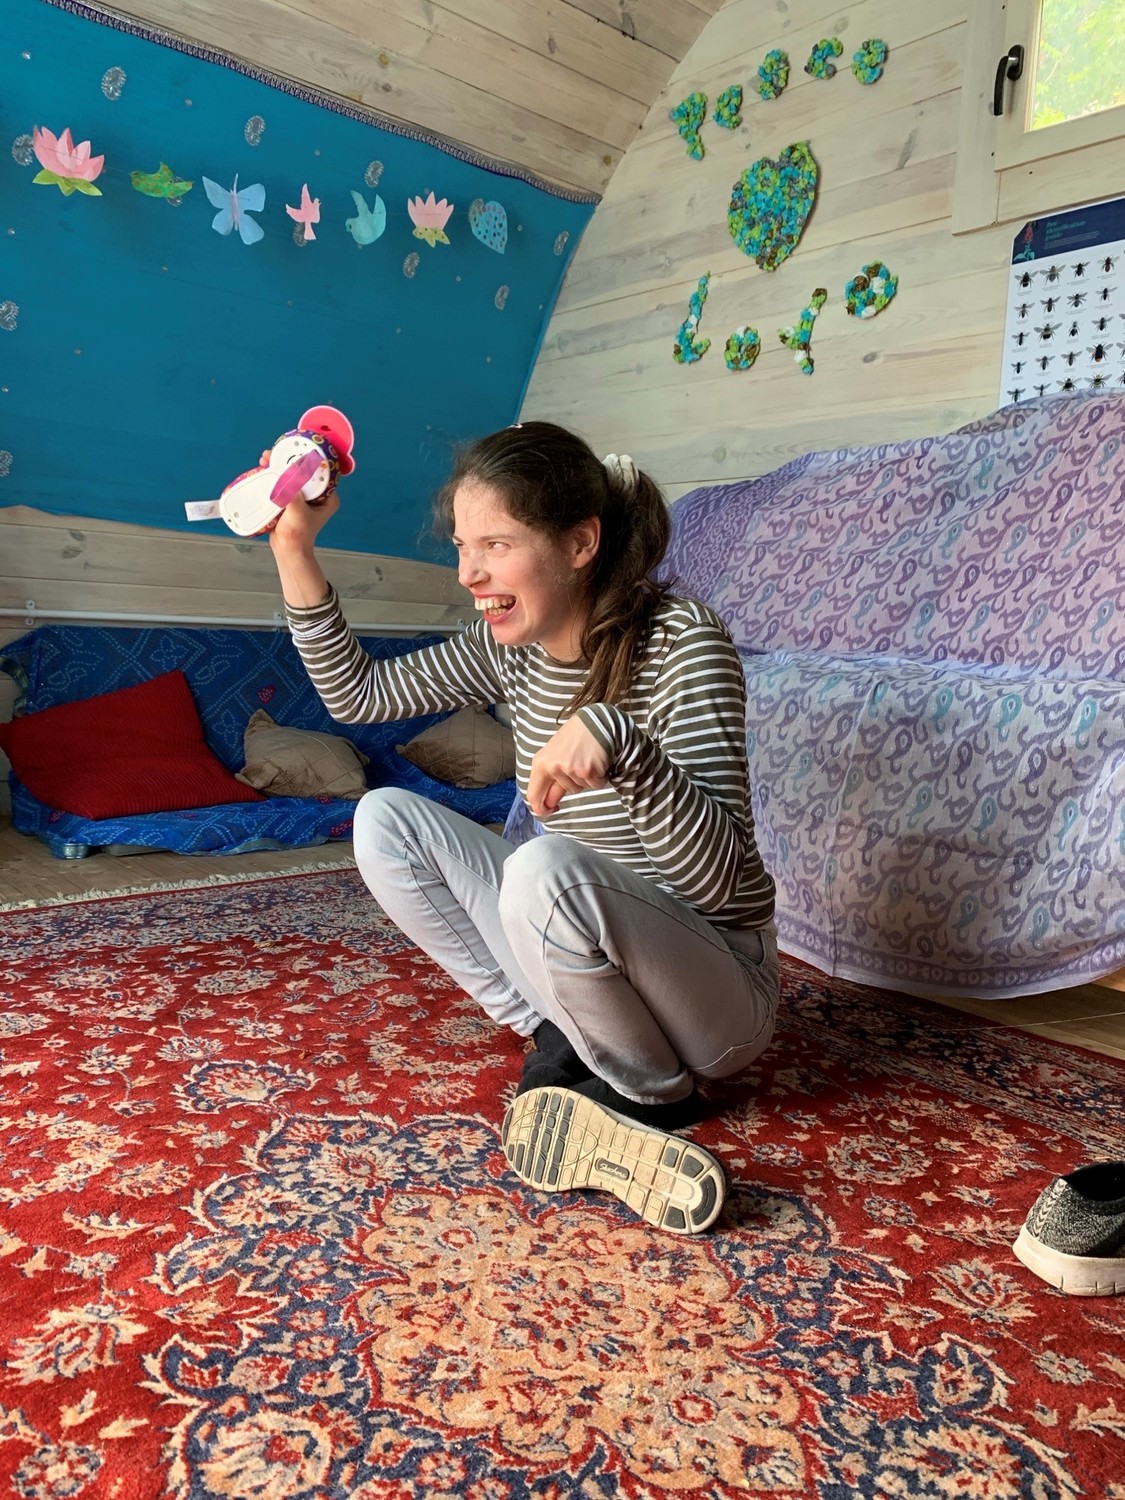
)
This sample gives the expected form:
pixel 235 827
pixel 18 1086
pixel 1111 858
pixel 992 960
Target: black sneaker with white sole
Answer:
pixel 557 1139
pixel 1074 1236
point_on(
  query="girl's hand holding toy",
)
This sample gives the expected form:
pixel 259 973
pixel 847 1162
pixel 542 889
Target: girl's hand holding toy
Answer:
pixel 303 463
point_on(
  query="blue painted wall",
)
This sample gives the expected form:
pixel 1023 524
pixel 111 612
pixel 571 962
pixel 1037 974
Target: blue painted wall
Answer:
pixel 146 360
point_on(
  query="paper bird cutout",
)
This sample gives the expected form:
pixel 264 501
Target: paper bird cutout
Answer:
pixel 160 184
pixel 368 223
pixel 235 208
pixel 308 214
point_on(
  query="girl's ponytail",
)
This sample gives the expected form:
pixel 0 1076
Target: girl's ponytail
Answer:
pixel 624 595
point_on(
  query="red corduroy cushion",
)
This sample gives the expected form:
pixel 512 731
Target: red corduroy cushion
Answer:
pixel 138 750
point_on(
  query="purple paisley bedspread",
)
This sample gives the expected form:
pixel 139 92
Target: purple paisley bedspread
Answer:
pixel 933 636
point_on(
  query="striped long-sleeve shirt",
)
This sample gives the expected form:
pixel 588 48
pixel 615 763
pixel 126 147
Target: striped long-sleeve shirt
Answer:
pixel 676 808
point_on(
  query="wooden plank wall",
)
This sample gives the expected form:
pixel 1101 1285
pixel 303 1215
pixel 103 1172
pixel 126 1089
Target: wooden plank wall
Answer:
pixel 559 87
pixel 887 157
pixel 106 567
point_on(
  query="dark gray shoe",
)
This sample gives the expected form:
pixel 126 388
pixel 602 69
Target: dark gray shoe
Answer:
pixel 557 1139
pixel 1074 1236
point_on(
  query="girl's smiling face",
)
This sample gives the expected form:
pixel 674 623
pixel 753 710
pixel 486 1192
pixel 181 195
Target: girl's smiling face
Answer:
pixel 527 586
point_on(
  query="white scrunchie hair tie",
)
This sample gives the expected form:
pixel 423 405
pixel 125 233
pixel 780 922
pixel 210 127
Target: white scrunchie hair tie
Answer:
pixel 621 472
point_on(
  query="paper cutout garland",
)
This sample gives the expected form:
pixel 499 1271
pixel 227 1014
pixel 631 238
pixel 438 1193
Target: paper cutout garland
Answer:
pixel 770 205
pixel 430 219
pixel 235 207
pixel 66 166
pixel 773 74
pixel 866 295
pixel 799 338
pixel 163 183
pixel 867 63
pixel 689 116
pixel 742 348
pixel 489 223
pixel 728 108
pixel 820 64
pixel 368 223
pixel 687 348
pixel 306 215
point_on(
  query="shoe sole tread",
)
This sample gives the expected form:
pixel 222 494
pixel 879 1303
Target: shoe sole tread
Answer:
pixel 557 1140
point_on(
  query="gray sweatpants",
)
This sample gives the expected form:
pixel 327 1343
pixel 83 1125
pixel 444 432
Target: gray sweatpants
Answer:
pixel 648 992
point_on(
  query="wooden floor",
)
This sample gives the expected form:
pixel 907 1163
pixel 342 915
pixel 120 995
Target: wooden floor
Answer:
pixel 1088 1015
pixel 28 872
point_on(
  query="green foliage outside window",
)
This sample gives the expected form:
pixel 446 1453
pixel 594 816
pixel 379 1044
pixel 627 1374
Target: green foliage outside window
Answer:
pixel 1081 64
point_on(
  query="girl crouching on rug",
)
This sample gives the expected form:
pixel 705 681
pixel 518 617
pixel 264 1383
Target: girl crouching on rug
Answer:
pixel 638 950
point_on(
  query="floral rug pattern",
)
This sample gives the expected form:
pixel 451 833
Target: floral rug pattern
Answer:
pixel 258 1239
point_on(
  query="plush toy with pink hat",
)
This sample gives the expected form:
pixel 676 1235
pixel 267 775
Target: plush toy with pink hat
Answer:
pixel 303 463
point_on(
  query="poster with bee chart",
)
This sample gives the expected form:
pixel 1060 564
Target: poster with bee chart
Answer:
pixel 1065 326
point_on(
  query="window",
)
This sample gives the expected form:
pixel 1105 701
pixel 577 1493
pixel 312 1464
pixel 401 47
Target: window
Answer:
pixel 1059 140
pixel 1076 63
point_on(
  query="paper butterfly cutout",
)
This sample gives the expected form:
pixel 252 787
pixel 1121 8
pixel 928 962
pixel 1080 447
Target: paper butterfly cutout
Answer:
pixel 235 208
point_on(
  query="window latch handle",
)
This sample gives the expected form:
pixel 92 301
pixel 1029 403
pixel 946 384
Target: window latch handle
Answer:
pixel 1010 67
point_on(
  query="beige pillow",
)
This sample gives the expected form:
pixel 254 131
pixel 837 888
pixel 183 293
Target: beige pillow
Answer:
pixel 300 762
pixel 469 749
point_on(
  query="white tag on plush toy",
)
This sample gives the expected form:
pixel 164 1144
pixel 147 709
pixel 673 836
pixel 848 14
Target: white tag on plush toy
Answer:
pixel 201 510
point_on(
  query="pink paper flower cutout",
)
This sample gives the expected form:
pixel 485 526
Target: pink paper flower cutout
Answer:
pixel 69 167
pixel 430 219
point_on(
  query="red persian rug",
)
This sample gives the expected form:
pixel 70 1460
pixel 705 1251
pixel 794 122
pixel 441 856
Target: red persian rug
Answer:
pixel 258 1240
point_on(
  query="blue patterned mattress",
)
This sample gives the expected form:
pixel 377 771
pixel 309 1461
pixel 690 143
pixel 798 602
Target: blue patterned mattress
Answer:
pixel 231 673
